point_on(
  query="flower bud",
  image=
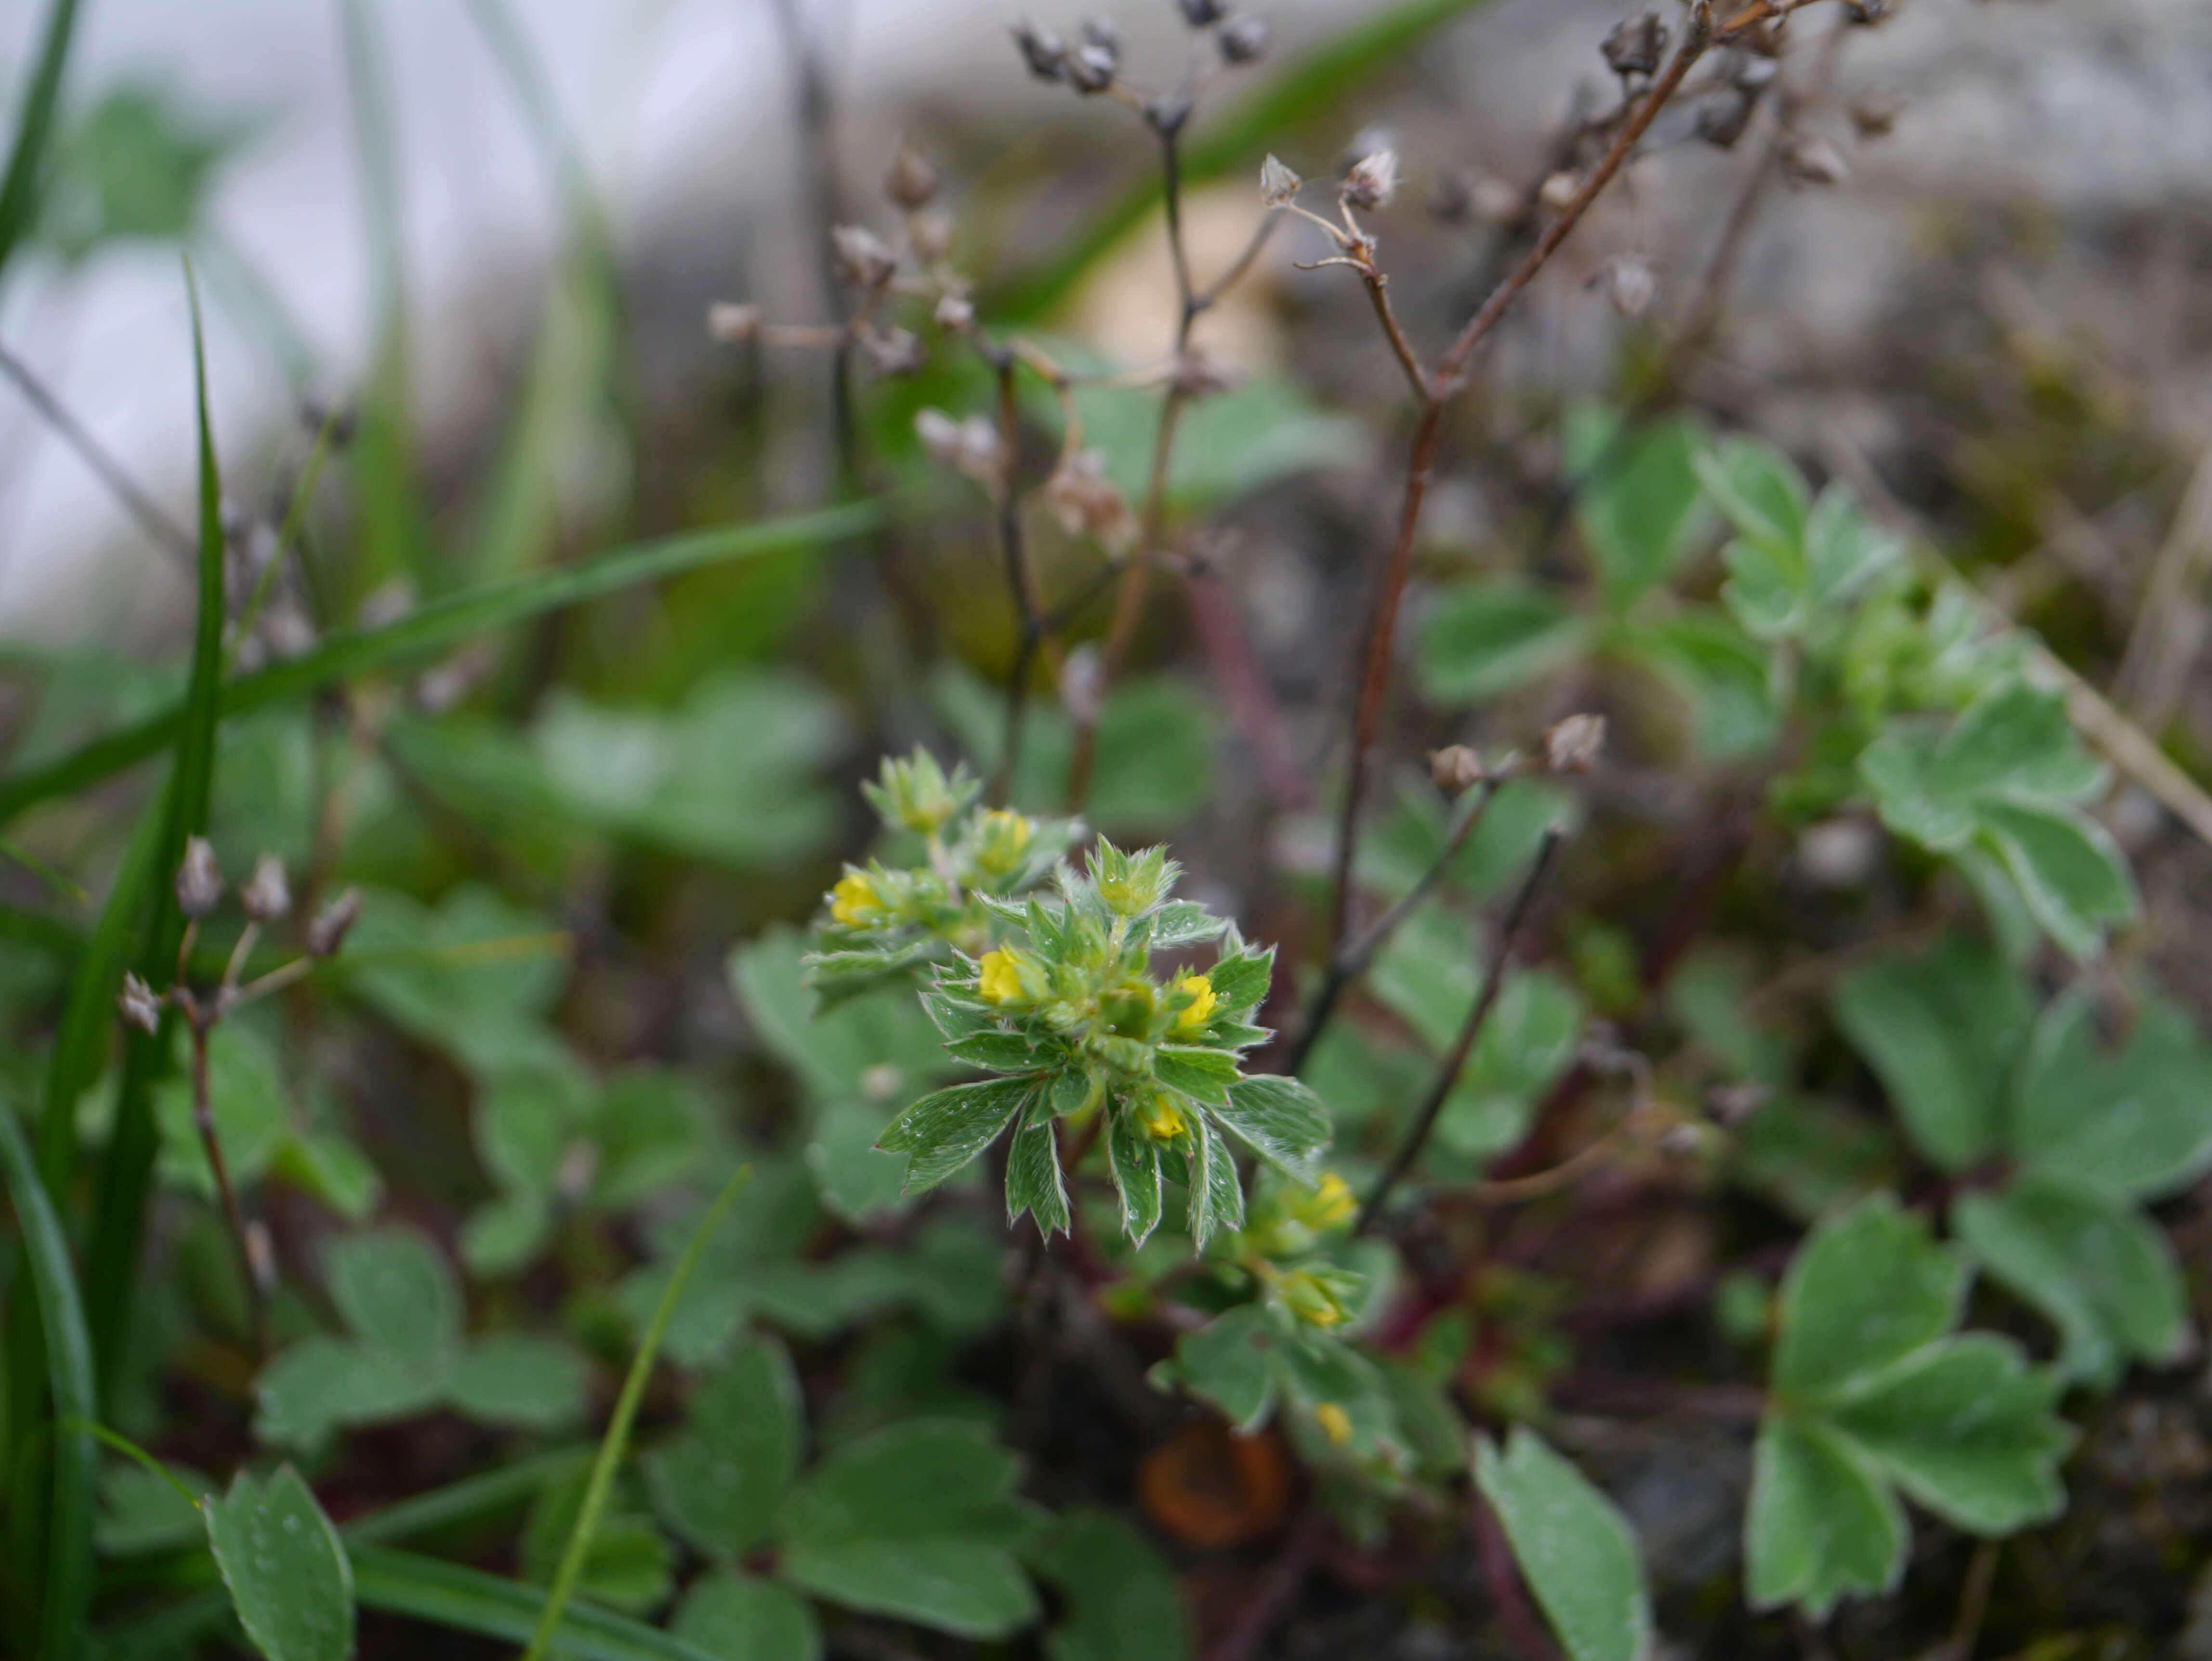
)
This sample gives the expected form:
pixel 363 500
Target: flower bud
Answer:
pixel 140 1008
pixel 1278 186
pixel 860 256
pixel 1457 768
pixel 1372 181
pixel 1634 45
pixel 955 313
pixel 1241 40
pixel 1091 69
pixel 1196 375
pixel 328 928
pixel 1202 14
pixel 267 895
pixel 1573 745
pixel 1873 116
pixel 1558 191
pixel 1045 52
pixel 732 324
pixel 912 182
pixel 199 879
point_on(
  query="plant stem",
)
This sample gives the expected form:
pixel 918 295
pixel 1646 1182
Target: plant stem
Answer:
pixel 198 1022
pixel 1351 959
pixel 617 1440
pixel 1435 392
pixel 137 500
pixel 1493 978
pixel 1019 578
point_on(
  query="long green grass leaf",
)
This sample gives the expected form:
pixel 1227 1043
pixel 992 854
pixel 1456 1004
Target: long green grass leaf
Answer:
pixel 433 627
pixel 617 1441
pixel 68 1562
pixel 126 1174
pixel 34 129
pixel 1313 83
pixel 469 1600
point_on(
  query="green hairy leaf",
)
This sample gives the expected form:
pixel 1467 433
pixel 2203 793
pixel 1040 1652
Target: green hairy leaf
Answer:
pixel 1574 1547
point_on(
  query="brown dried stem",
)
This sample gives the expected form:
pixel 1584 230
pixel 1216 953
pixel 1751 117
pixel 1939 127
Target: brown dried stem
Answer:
pixel 1478 1017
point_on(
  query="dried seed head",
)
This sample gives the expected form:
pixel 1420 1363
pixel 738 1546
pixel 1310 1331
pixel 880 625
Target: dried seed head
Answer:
pixel 1635 45
pixel 1086 502
pixel 1045 52
pixel 1812 162
pixel 1722 119
pixel 199 879
pixel 1082 683
pixel 860 256
pixel 1091 69
pixel 328 927
pixel 1457 768
pixel 1278 186
pixel 1556 193
pixel 1629 282
pixel 1101 32
pixel 140 1008
pixel 970 446
pixel 955 313
pixel 930 234
pixel 267 895
pixel 911 182
pixel 1732 1105
pixel 1372 181
pixel 1572 746
pixel 1202 14
pixel 732 324
pixel 1241 40
pixel 1168 111
pixel 893 351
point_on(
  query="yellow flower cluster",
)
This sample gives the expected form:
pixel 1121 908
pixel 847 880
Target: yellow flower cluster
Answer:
pixel 1202 1002
pixel 855 902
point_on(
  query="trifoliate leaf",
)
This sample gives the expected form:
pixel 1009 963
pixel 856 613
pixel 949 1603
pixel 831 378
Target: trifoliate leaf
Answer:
pixel 721 1483
pixel 944 1130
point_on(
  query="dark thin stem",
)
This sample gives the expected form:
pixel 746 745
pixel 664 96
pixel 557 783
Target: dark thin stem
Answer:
pixel 1019 579
pixel 1378 291
pixel 1256 1623
pixel 1437 392
pixel 1493 978
pixel 1208 297
pixel 198 1022
pixel 140 505
pixel 1351 960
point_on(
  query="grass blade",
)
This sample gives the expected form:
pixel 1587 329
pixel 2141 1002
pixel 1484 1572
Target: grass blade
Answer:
pixel 34 131
pixel 1312 83
pixel 126 1174
pixel 469 1600
pixel 617 1442
pixel 68 1565
pixel 433 627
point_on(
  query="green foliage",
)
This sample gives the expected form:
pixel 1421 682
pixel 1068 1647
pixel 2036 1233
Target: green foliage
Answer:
pixel 2004 783
pixel 287 1571
pixel 405 1354
pixel 1873 1394
pixel 1574 1549
pixel 262 1135
pixel 1122 1599
pixel 2083 1135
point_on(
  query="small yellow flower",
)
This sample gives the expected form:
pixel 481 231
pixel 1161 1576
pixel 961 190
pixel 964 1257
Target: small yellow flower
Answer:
pixel 853 898
pixel 1001 979
pixel 1332 1202
pixel 1202 1002
pixel 1335 1423
pixel 1165 1123
pixel 1001 838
